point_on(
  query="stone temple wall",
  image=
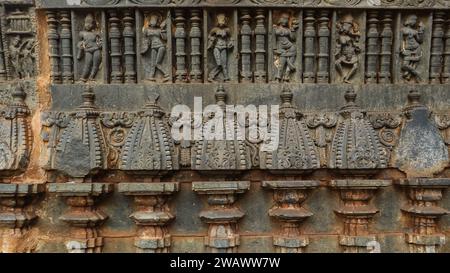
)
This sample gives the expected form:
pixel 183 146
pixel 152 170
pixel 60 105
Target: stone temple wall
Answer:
pixel 88 162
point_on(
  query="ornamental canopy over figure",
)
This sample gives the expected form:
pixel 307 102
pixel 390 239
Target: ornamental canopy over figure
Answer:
pixel 90 48
pixel 286 50
pixel 220 42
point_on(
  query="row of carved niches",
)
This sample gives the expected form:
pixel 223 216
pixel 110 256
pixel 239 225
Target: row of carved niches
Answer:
pixel 18 45
pixel 85 140
pixel 246 45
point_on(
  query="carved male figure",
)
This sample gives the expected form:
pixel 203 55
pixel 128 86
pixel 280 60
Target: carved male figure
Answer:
pixel 89 48
pixel 220 42
pixel 155 37
pixel 285 47
pixel 347 47
pixel 413 34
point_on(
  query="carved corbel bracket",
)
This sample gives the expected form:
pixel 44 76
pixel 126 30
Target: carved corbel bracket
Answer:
pixel 152 214
pixel 424 212
pixel 83 216
pixel 357 212
pixel 288 209
pixel 14 217
pixel 221 215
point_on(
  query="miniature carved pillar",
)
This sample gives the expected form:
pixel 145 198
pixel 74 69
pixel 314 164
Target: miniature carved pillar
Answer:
pixel 152 214
pixel 323 63
pixel 424 212
pixel 53 43
pixel 437 47
pixel 260 47
pixel 66 48
pixel 386 48
pixel 196 53
pixel 446 68
pixel 14 218
pixel 288 209
pixel 309 73
pixel 3 74
pixel 372 47
pixel 357 212
pixel 222 215
pixel 82 216
pixel 246 47
pixel 116 48
pixel 129 47
pixel 180 45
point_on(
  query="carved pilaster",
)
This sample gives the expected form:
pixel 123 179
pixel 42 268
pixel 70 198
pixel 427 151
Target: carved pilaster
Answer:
pixel 387 35
pixel 66 47
pixel 180 47
pixel 357 212
pixel 288 209
pixel 196 50
pixel 152 214
pixel 424 212
pixel 15 219
pixel 129 47
pixel 115 48
pixel 260 47
pixel 446 68
pixel 309 74
pixel 221 215
pixel 53 44
pixel 323 62
pixel 437 47
pixel 246 47
pixel 82 215
pixel 372 47
pixel 3 74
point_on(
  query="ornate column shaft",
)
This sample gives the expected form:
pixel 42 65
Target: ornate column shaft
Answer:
pixel 323 63
pixel 386 48
pixel 66 48
pixel 372 47
pixel 260 47
pixel 424 212
pixel 115 48
pixel 288 209
pixel 82 216
pixel 152 214
pixel 180 46
pixel 53 42
pixel 196 50
pixel 357 212
pixel 437 47
pixel 14 218
pixel 246 47
pixel 221 215
pixel 309 73
pixel 446 68
pixel 3 74
pixel 129 47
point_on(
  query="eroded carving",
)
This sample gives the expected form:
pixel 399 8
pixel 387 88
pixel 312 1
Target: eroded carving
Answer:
pixel 220 43
pixel 347 47
pixel 413 32
pixel 286 50
pixel 90 48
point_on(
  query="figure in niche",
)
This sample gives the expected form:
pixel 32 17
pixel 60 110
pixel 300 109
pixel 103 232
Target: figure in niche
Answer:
pixel 220 42
pixel 15 55
pixel 89 48
pixel 28 58
pixel 154 39
pixel 413 34
pixel 286 50
pixel 348 47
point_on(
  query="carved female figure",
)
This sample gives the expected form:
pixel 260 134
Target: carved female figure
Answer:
pixel 155 37
pixel 15 55
pixel 285 47
pixel 413 35
pixel 220 41
pixel 89 47
pixel 348 47
pixel 28 58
